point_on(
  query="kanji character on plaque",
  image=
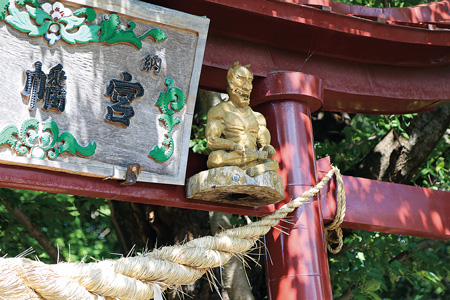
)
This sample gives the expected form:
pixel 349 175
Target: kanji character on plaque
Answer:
pixel 152 63
pixel 122 93
pixel 35 85
pixel 55 95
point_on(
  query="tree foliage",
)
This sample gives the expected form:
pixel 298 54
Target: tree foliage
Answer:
pixel 386 3
pixel 79 227
pixel 374 265
pixel 387 266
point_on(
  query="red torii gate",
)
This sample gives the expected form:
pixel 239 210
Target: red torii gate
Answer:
pixel 309 55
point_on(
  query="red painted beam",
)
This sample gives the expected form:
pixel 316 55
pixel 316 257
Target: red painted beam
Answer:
pixel 345 32
pixel 393 208
pixel 388 207
pixel 366 66
pixel 348 86
pixel 18 177
pixel 429 13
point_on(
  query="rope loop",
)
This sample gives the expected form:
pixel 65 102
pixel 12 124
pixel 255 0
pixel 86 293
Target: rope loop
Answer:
pixel 333 233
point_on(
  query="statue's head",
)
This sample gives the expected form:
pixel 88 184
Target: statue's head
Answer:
pixel 239 84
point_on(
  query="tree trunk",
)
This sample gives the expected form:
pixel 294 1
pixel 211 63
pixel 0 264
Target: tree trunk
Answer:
pixel 396 158
pixel 132 224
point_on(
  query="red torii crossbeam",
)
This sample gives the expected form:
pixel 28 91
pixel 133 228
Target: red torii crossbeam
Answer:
pixel 309 55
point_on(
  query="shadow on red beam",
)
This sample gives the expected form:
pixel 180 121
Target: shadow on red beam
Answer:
pixel 371 205
pixel 291 25
pixel 388 207
pixel 376 89
pixel 18 177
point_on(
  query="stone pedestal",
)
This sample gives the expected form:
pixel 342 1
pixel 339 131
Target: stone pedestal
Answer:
pixel 232 185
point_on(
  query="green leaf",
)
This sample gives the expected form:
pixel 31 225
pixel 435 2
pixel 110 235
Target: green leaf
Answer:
pixel 373 286
pixel 35 3
pixel 361 257
pixel 38 14
pixel 159 153
pixel 41 30
pixel 20 20
pixel 84 34
pixel 27 128
pixel 396 265
pixel 374 296
pixel 111 34
pixel 431 276
pixel 71 145
pixel 157 34
pixel 45 137
pixel 3 7
pixel 88 12
pixel 71 22
pixel 170 121
pixel 441 164
pixel 51 131
pixel 233 220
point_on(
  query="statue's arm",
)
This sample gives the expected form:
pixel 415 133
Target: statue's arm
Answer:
pixel 264 136
pixel 214 130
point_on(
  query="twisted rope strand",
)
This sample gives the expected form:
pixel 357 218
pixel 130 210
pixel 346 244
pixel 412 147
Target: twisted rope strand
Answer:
pixel 137 277
pixel 333 228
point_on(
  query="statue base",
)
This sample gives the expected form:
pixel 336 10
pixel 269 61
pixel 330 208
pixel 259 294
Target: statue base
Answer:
pixel 232 185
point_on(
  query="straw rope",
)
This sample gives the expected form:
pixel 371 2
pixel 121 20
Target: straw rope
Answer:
pixel 333 233
pixel 140 277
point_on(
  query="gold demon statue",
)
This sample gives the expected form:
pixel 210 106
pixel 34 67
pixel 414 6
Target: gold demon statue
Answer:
pixel 236 134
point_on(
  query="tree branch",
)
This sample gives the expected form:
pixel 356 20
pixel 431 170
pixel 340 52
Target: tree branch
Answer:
pixel 396 158
pixel 346 296
pixel 119 230
pixel 144 229
pixel 34 231
pixel 404 255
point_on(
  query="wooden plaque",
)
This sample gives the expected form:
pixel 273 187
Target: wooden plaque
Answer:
pixel 92 89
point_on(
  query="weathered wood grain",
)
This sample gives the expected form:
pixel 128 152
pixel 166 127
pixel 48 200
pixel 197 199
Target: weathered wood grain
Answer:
pixel 232 185
pixel 89 68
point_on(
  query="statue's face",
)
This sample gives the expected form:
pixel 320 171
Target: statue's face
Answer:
pixel 240 86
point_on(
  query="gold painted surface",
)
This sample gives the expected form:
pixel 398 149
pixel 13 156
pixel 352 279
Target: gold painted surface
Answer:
pixel 241 168
pixel 236 134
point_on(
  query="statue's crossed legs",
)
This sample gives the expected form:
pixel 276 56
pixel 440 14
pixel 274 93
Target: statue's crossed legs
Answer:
pixel 251 161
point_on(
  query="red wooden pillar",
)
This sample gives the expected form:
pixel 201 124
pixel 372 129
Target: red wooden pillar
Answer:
pixel 297 265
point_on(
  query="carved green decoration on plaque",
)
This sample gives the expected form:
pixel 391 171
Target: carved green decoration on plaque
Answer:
pixel 42 141
pixel 111 34
pixel 176 97
pixel 56 21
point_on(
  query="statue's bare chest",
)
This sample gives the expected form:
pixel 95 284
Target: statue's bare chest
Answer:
pixel 238 121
